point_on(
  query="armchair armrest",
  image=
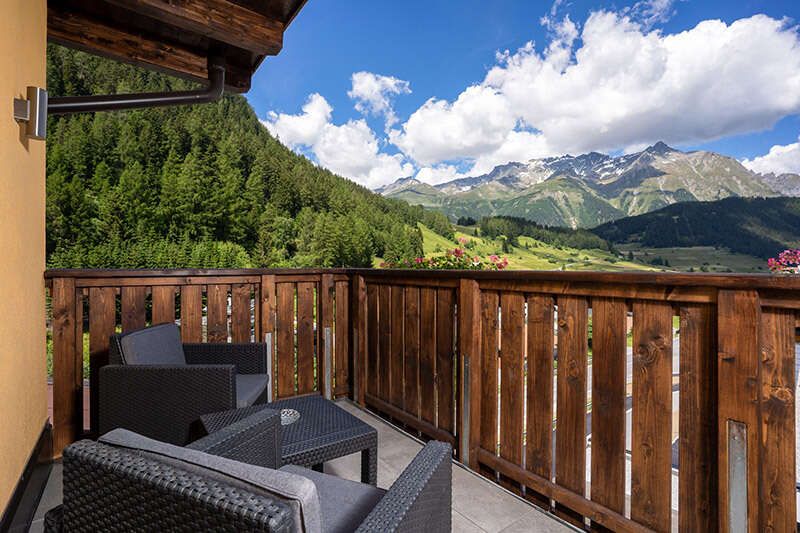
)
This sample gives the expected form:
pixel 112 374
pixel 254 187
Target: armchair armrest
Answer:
pixel 421 498
pixel 163 401
pixel 249 358
pixel 254 440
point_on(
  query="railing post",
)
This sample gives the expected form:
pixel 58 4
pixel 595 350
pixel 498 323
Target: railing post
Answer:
pixel 359 322
pixel 67 382
pixel 267 318
pixel 325 356
pixel 469 371
pixel 739 371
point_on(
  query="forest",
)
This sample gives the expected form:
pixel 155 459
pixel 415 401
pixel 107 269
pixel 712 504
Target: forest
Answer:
pixel 203 186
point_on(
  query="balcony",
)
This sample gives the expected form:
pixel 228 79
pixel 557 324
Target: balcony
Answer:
pixel 630 401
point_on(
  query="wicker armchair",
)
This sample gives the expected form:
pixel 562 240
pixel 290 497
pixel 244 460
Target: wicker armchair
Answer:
pixel 108 486
pixel 159 387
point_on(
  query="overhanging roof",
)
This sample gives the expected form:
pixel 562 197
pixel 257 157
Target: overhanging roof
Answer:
pixel 176 36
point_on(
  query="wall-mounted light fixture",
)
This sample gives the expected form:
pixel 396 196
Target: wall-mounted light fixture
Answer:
pixel 33 112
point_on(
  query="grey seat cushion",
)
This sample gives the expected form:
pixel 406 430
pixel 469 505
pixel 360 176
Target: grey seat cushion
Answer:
pixel 345 504
pixel 297 491
pixel 157 345
pixel 249 387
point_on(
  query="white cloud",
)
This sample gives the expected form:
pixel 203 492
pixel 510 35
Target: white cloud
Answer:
pixel 438 174
pixel 373 94
pixel 651 12
pixel 350 149
pixel 780 160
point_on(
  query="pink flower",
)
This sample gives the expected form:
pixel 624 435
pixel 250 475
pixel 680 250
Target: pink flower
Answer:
pixel 418 260
pixel 458 252
pixel 493 258
pixel 462 240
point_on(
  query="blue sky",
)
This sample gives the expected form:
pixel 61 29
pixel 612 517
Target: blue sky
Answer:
pixel 577 75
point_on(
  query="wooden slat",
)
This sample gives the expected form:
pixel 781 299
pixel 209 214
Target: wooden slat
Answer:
pixel 384 340
pixel 539 423
pixel 220 20
pixel 327 310
pixel 373 370
pixel 240 312
pixel 163 304
pixel 102 322
pixel 651 452
pixel 411 351
pixel 512 388
pixel 401 416
pixel 217 314
pixel 609 353
pixel 396 348
pixel 305 338
pixel 470 399
pixel 444 359
pixel 738 319
pixel 132 303
pixel 488 368
pixel 285 339
pixel 778 502
pixel 359 302
pixel 191 313
pixel 427 355
pixel 266 317
pixel 342 339
pixel 80 296
pixel 571 398
pixel 67 384
pixel 697 507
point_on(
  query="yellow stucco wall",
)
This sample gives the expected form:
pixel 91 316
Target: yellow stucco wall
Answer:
pixel 23 392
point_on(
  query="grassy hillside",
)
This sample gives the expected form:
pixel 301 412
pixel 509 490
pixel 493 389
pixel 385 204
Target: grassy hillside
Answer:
pixel 759 227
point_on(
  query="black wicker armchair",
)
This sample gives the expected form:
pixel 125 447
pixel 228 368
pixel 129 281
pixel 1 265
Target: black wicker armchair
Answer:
pixel 129 483
pixel 159 387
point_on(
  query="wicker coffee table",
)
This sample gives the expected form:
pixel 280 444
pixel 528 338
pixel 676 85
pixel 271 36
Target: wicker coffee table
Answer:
pixel 323 432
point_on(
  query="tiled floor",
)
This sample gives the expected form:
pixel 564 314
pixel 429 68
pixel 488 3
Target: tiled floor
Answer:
pixel 478 505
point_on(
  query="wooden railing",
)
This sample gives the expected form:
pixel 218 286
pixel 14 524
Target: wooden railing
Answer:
pixel 530 375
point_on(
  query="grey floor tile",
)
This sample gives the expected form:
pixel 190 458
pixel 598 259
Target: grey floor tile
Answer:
pixel 484 503
pixel 463 525
pixel 538 522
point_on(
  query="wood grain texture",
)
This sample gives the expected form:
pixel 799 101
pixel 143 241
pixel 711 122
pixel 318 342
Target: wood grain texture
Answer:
pixel 284 327
pixel 342 339
pixel 306 358
pixel 384 341
pixel 240 312
pixel 217 313
pixel 445 377
pixel 489 363
pixel 411 351
pixel 132 304
pixel 359 330
pixel 609 353
pixel 427 354
pixel 571 398
pixel 102 324
pixel 778 502
pixel 396 386
pixel 512 384
pixel 67 384
pixel 191 313
pixel 373 368
pixel 651 453
pixel 697 490
pixel 539 421
pixel 470 393
pixel 163 304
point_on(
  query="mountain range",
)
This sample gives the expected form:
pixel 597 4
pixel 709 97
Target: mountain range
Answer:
pixel 594 188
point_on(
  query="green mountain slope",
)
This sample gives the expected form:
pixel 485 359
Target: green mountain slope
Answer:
pixel 760 227
pixel 200 186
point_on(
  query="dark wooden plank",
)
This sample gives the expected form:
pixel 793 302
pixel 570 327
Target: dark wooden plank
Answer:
pixel 373 369
pixel 360 338
pixel 445 376
pixel 571 398
pixel 490 324
pixel 163 304
pixel 512 384
pixel 427 354
pixel 401 416
pixel 285 353
pixel 468 421
pixel 217 314
pixel 132 303
pixel 102 324
pixel 609 353
pixel 266 318
pixel 778 502
pixel 739 394
pixel 240 312
pixel 411 352
pixel 384 340
pixel 539 423
pixel 396 348
pixel 191 313
pixel 305 338
pixel 342 339
pixel 67 384
pixel 651 451
pixel 327 310
pixel 697 489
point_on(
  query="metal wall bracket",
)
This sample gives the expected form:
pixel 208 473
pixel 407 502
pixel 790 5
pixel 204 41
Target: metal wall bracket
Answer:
pixel 32 111
pixel 737 476
pixel 327 381
pixel 465 411
pixel 270 367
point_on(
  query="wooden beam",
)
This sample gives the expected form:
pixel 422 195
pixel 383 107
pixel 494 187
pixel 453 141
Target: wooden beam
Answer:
pixel 221 20
pixel 76 30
